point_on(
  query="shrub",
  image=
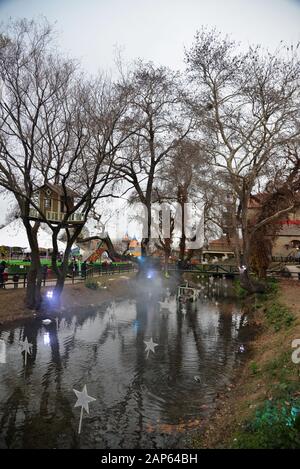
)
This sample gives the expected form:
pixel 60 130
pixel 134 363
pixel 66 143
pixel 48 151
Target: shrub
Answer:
pixel 274 426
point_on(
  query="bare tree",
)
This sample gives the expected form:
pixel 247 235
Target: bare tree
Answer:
pixel 55 128
pixel 251 102
pixel 180 181
pixel 28 85
pixel 158 123
pixel 281 192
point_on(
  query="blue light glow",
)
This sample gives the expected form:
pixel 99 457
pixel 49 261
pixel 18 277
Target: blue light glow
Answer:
pixel 49 294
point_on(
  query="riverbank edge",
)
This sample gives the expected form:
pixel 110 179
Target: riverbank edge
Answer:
pixel 12 308
pixel 266 378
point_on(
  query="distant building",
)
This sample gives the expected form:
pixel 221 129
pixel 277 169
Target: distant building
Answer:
pixel 131 246
pixel 221 247
pixel 287 241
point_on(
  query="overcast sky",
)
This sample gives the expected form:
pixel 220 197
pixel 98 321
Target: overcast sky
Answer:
pixel 155 30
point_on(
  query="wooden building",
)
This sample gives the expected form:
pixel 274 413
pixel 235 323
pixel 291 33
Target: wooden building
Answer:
pixel 287 241
pixel 54 202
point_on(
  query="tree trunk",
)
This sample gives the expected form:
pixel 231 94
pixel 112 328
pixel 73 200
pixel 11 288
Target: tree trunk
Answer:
pixel 33 298
pixel 182 245
pixel 145 241
pixel 167 253
pixel 60 283
pixel 182 199
pixel 247 282
pixel 145 247
pixel 61 272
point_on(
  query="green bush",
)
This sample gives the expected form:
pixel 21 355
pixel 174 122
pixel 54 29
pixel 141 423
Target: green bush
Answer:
pixel 274 426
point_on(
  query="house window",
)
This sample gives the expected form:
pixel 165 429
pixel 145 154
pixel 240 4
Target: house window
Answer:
pixel 47 203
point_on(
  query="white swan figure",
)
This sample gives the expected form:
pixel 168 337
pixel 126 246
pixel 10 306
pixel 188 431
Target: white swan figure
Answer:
pixel 46 321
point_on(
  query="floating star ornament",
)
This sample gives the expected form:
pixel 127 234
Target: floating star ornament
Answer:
pixel 83 400
pixel 150 346
pixel 27 348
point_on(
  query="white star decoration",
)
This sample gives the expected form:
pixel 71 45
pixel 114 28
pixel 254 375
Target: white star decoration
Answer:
pixel 150 346
pixel 27 348
pixel 83 400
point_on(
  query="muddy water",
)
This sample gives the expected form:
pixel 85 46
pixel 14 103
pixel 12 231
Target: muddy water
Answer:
pixel 144 399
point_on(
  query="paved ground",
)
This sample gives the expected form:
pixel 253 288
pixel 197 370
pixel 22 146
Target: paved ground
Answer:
pixel 293 270
pixel 117 285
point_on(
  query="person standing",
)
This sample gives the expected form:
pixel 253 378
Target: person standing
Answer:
pixel 45 273
pixel 16 280
pixel 83 269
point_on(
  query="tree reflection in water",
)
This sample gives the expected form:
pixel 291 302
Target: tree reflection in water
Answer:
pixel 140 402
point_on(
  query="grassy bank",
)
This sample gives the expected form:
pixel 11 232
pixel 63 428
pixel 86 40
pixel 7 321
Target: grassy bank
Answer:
pixel 262 409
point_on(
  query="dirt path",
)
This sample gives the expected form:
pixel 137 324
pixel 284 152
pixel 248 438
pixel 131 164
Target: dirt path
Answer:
pixel 12 301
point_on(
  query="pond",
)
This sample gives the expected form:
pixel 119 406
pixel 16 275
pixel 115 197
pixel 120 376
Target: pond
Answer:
pixel 155 370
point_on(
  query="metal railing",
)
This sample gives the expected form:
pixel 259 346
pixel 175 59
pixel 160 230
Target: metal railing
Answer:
pixel 109 269
pixel 286 259
pixel 226 270
pixel 205 268
pixel 72 277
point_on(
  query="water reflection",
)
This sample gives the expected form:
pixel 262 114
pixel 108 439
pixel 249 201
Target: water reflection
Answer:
pixel 141 402
pixel 2 351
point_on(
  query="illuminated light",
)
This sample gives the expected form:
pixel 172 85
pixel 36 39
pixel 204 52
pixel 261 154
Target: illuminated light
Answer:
pixel 136 325
pixel 49 294
pixel 46 321
pixel 46 338
pixel 150 275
